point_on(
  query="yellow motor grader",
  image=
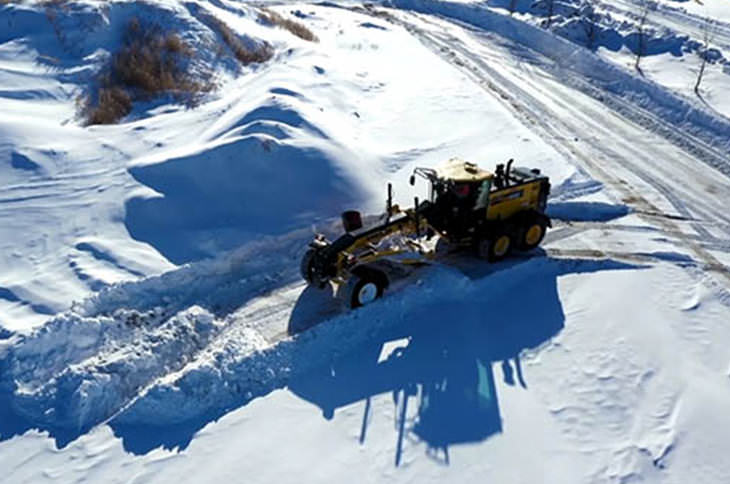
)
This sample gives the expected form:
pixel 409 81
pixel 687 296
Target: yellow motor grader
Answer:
pixel 468 207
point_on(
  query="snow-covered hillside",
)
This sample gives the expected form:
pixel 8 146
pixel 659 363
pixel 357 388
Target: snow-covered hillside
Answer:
pixel 153 323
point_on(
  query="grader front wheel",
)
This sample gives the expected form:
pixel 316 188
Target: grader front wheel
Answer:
pixel 305 266
pixel 365 287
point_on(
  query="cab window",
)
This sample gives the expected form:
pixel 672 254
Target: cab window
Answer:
pixel 483 198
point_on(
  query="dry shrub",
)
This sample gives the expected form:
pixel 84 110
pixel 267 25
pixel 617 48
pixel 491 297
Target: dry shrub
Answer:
pixel 150 62
pixel 296 28
pixel 153 61
pixel 114 103
pixel 245 55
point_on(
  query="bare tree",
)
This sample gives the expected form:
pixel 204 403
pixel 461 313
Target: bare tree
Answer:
pixel 550 12
pixel 641 34
pixel 708 35
pixel 547 6
pixel 589 21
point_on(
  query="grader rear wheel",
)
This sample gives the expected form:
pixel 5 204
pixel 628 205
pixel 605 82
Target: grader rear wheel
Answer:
pixel 495 248
pixel 532 234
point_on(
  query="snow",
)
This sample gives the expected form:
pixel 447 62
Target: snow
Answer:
pixel 624 404
pixel 717 9
pixel 675 38
pixel 153 323
pixel 287 115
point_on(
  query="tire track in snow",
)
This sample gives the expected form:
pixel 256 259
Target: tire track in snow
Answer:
pixel 674 19
pixel 563 230
pixel 534 113
pixel 707 131
pixel 596 119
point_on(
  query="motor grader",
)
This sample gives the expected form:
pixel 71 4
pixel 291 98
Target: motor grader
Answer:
pixel 468 208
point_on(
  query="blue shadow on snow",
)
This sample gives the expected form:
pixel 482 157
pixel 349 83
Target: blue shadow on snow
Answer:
pixel 218 199
pixel 444 365
pixel 445 371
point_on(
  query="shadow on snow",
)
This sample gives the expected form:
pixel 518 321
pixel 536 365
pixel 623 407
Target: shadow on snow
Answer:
pixel 252 175
pixel 444 355
pixel 440 359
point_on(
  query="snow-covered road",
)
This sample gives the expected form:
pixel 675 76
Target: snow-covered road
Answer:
pixel 670 17
pixel 635 272
pixel 667 178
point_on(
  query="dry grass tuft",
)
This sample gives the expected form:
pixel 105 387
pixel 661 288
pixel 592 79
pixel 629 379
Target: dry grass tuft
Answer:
pixel 296 28
pixel 114 103
pixel 151 62
pixel 245 55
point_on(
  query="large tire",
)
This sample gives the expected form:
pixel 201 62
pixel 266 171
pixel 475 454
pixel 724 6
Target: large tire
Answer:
pixel 364 288
pixel 531 233
pixel 305 266
pixel 496 247
pixel 443 247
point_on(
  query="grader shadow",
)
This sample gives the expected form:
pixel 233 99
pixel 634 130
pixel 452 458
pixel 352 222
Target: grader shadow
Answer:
pixel 437 363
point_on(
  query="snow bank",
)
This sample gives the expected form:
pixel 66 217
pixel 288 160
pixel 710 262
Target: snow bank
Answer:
pixel 614 25
pixel 81 395
pixel 220 284
pixel 154 354
pixel 131 333
pixel 255 178
pixel 231 375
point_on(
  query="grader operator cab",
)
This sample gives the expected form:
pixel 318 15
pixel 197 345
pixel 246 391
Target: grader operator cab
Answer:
pixel 468 207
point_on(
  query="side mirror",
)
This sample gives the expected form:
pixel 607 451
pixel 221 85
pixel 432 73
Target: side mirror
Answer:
pixel 412 180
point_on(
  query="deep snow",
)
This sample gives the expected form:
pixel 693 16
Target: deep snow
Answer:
pixel 599 358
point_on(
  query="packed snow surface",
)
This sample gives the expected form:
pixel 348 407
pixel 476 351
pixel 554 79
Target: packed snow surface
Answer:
pixel 153 323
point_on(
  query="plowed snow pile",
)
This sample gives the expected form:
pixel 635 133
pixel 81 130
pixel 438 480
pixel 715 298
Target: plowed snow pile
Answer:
pixel 153 323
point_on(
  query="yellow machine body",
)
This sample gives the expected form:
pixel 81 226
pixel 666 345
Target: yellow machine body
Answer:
pixel 506 202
